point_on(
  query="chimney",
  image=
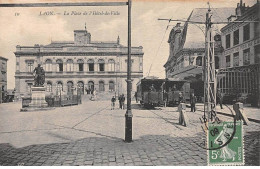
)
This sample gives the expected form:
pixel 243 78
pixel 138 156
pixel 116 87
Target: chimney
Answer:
pixel 118 40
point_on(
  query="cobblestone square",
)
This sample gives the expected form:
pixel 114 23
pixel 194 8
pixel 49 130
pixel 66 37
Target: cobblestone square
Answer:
pixel 93 134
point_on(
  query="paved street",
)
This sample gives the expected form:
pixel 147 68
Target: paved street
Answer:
pixel 92 134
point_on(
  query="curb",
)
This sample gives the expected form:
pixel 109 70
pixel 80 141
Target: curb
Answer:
pixel 230 115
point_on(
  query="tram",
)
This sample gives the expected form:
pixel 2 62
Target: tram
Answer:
pixel 150 92
pixel 154 92
pixel 173 90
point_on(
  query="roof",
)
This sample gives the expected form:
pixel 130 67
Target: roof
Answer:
pixel 194 37
pixel 69 47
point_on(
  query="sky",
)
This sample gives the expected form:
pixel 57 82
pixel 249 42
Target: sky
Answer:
pixel 30 28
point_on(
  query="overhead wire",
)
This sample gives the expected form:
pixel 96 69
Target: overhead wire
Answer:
pixel 159 47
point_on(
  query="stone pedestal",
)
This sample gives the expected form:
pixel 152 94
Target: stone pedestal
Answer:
pixel 38 98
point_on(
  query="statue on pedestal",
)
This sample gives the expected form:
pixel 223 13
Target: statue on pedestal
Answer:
pixel 39 77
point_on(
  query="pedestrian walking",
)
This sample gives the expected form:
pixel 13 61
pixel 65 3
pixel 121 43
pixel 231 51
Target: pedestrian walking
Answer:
pixel 193 102
pixel 123 101
pixel 219 98
pixel 136 97
pixel 113 100
pixel 120 102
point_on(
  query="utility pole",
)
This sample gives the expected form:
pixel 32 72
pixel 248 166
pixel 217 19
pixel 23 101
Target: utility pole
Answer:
pixel 209 72
pixel 129 115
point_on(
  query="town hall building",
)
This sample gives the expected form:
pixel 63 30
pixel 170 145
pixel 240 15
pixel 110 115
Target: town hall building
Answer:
pixel 78 66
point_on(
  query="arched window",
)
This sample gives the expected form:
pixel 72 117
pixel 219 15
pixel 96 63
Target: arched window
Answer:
pixel 111 65
pixel 101 86
pixel 59 87
pixel 69 88
pixel 80 65
pixel 90 86
pixel 111 86
pixel 199 61
pixel 101 65
pixel 49 87
pixel 80 87
pixel 69 65
pixel 91 65
pixel 59 65
pixel 48 65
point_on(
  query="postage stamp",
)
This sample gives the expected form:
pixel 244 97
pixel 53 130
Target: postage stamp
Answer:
pixel 225 143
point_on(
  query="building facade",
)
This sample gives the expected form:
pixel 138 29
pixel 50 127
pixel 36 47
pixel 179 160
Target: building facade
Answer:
pixel 80 65
pixel 3 78
pixel 240 61
pixel 187 48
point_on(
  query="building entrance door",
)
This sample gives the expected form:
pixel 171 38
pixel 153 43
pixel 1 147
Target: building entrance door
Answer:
pixel 101 86
pixel 91 86
pixel 81 88
pixel 70 88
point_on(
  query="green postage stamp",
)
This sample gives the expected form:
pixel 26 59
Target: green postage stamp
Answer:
pixel 225 143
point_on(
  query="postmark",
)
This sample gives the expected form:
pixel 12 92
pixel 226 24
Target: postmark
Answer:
pixel 218 135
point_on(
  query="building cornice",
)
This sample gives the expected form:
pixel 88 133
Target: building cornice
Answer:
pixel 73 76
pixel 3 58
pixel 18 54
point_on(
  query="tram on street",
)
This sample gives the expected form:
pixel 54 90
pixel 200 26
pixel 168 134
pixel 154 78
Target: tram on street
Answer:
pixel 154 92
pixel 175 88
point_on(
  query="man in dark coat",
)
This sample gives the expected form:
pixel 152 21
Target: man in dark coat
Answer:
pixel 192 102
pixel 123 101
pixel 113 100
pixel 120 102
pixel 136 97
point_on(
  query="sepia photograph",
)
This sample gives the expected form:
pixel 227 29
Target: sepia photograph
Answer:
pixel 129 83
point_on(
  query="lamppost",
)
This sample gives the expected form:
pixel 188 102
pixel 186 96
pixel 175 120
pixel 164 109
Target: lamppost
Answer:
pixel 129 115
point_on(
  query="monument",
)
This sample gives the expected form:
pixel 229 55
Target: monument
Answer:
pixel 38 91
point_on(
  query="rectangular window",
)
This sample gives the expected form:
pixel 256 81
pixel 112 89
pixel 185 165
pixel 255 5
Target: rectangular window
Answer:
pixel 236 37
pixel 91 67
pixel 101 67
pixel 30 66
pixel 69 67
pixel 49 88
pixel 246 56
pixel 81 67
pixel 111 67
pixel 236 59
pixel 246 33
pixel 48 67
pixel 60 67
pixel 228 41
pixel 228 61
